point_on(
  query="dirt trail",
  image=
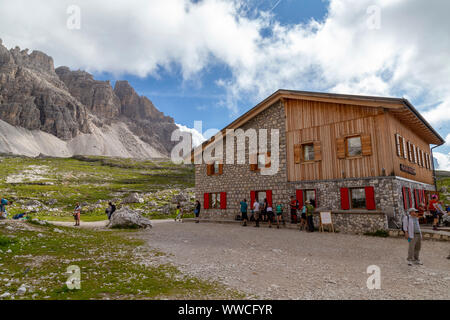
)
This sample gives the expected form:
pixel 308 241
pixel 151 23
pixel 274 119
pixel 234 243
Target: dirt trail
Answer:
pixel 98 224
pixel 288 264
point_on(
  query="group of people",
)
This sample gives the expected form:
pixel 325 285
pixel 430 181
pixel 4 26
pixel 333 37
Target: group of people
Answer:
pixel 77 212
pixel 180 212
pixel 264 212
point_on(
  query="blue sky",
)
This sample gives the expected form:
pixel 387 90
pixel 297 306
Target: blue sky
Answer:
pixel 212 60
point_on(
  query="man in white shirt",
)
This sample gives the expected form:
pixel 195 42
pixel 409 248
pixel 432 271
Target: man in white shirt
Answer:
pixel 256 210
pixel 413 233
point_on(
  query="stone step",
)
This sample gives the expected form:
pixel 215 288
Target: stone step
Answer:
pixel 426 234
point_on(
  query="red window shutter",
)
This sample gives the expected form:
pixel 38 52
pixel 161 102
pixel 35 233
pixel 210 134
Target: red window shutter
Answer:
pixel 223 200
pixel 405 201
pixel 370 198
pixel 269 197
pixel 206 201
pixel 345 201
pixel 252 198
pixel 416 198
pixel 410 198
pixel 299 196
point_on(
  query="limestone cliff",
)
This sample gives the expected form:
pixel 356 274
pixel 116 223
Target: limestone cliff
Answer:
pixel 68 104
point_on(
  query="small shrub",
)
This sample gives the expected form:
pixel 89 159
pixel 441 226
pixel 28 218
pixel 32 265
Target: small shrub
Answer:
pixel 378 233
pixel 6 241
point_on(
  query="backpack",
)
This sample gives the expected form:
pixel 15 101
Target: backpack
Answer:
pixel 4 202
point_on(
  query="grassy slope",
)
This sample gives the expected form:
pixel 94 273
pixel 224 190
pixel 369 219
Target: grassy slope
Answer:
pixel 110 267
pixel 89 180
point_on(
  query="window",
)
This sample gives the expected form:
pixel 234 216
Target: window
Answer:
pixel 354 146
pixel 262 161
pixel 407 198
pixel 402 146
pixel 214 200
pixel 260 196
pixel 310 195
pixel 410 152
pixel 358 198
pixel 308 152
pixel 215 168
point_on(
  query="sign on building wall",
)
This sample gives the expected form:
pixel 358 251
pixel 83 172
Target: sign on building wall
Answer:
pixel 407 169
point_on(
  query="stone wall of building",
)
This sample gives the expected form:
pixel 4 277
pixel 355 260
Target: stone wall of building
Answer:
pixel 357 222
pixel 238 180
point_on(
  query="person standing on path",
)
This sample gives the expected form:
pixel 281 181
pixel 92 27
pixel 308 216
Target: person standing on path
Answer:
pixel 294 204
pixel 244 208
pixel 434 210
pixel 270 215
pixel 256 209
pixel 110 210
pixel 310 216
pixel 179 213
pixel 197 211
pixel 279 210
pixel 303 219
pixel 413 233
pixel 77 214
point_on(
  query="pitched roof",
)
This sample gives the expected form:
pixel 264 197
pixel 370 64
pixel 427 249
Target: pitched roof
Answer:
pixel 400 107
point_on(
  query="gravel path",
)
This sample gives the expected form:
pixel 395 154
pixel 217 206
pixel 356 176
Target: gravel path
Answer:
pixel 288 264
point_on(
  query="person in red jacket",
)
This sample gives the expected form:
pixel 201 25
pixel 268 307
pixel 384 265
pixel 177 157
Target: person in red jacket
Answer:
pixel 294 204
pixel 434 210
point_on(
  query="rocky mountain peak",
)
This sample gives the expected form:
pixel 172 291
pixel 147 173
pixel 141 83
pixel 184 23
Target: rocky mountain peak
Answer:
pixel 133 105
pixel 68 103
pixel 97 96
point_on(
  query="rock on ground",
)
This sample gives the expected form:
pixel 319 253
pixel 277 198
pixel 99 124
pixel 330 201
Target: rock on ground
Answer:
pixel 133 198
pixel 127 218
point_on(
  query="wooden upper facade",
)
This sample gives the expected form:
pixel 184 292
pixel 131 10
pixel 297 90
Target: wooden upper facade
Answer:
pixel 330 136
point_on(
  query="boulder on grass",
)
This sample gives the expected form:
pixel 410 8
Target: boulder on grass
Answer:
pixel 126 218
pixel 133 198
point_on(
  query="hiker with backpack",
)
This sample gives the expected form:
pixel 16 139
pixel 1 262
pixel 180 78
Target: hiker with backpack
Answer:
pixel 179 212
pixel 3 204
pixel 77 214
pixel 303 219
pixel 197 208
pixel 310 215
pixel 110 210
pixel 244 215
pixel 279 210
pixel 411 227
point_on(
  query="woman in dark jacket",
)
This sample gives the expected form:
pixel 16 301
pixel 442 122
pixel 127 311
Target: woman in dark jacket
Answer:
pixel 197 211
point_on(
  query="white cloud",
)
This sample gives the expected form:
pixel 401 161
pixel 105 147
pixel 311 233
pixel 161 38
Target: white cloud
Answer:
pixel 197 137
pixel 443 160
pixel 408 55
